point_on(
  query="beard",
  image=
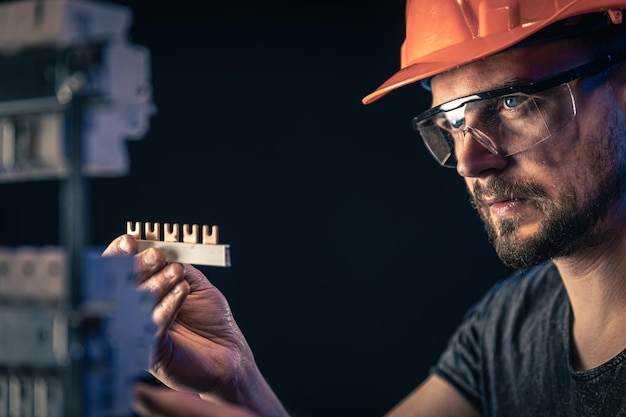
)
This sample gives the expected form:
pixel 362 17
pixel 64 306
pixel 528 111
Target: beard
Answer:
pixel 571 222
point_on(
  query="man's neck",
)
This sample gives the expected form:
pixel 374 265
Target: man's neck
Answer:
pixel 595 280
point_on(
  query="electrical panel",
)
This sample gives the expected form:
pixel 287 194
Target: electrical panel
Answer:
pixel 74 330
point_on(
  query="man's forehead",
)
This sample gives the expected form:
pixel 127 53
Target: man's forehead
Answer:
pixel 514 67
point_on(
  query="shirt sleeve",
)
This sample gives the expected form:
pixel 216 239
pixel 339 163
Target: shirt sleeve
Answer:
pixel 461 362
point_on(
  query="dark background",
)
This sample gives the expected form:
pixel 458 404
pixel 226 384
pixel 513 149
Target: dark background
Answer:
pixel 354 254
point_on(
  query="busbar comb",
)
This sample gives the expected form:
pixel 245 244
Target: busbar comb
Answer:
pixel 192 248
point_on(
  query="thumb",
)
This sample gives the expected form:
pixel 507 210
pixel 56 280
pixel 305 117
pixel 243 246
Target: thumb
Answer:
pixel 122 245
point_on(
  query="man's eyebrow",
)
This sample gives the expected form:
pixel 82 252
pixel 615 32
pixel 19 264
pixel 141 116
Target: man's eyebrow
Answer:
pixel 512 82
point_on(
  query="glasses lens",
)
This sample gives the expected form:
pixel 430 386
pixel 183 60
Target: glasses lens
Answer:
pixel 505 125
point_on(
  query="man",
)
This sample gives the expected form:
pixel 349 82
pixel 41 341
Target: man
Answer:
pixel 529 104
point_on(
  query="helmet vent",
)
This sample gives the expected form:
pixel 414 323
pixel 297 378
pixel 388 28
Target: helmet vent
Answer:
pixel 498 16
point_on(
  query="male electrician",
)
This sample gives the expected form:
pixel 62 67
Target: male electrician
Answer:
pixel 529 106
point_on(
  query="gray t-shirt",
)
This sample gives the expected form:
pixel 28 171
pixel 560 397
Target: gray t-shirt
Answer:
pixel 510 356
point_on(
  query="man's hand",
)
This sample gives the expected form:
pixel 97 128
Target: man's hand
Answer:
pixel 199 346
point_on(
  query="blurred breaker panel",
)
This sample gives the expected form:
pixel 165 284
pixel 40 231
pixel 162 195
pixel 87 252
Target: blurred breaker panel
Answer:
pixel 35 349
pixel 74 330
pixel 51 52
pixel 33 329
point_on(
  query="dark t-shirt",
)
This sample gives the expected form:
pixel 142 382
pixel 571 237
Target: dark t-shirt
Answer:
pixel 510 356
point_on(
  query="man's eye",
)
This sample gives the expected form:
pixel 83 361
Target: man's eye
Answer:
pixel 457 124
pixel 449 124
pixel 511 102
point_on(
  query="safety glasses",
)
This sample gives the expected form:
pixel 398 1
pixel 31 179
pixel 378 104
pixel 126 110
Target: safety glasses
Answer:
pixel 507 120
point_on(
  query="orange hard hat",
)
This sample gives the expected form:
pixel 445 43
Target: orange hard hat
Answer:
pixel 445 34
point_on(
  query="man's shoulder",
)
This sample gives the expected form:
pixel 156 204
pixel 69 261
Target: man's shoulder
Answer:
pixel 525 289
pixel 538 277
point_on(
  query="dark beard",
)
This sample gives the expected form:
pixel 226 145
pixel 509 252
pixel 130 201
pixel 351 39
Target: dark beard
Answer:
pixel 569 226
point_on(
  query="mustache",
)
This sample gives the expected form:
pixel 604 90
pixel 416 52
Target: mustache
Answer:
pixel 506 189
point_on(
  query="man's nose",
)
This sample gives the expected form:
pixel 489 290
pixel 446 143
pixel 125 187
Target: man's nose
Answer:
pixel 474 158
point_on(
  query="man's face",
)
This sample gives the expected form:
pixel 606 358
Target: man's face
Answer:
pixel 562 195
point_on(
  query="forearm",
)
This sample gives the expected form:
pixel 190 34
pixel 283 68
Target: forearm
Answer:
pixel 253 392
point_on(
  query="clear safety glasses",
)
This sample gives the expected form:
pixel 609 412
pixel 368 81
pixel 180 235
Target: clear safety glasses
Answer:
pixel 508 120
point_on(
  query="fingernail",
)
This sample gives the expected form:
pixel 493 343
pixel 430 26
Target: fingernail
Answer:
pixel 124 245
pixel 169 272
pixel 149 258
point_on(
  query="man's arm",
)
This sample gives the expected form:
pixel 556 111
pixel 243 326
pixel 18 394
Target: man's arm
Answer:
pixel 150 401
pixel 434 398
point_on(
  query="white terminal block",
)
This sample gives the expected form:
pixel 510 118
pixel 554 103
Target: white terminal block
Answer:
pixel 191 250
pixel 25 23
pixel 35 273
pixel 124 81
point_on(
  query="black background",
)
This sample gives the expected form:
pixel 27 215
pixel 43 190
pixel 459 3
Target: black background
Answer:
pixel 354 254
